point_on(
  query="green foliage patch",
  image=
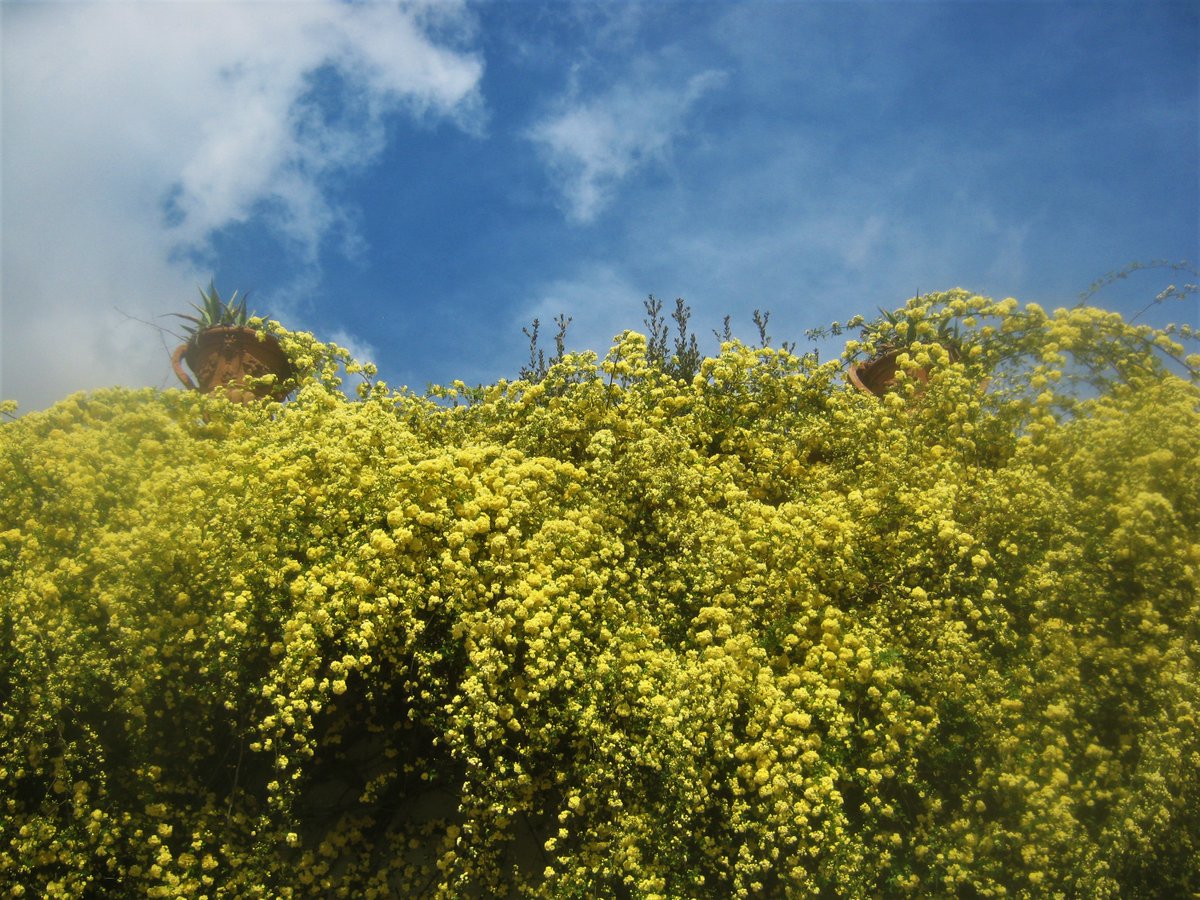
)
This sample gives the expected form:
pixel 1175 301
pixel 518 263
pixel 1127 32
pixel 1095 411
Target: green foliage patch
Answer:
pixel 640 626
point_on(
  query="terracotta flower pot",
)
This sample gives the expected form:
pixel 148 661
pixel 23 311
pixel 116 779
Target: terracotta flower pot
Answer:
pixel 878 376
pixel 224 356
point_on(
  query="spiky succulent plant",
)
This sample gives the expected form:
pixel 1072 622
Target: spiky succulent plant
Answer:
pixel 215 312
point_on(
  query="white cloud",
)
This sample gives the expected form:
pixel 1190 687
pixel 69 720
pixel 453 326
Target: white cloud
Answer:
pixel 133 132
pixel 590 146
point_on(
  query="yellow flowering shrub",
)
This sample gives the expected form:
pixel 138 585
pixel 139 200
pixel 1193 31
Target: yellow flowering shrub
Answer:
pixel 609 633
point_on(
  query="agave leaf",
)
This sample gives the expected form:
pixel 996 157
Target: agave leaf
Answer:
pixel 215 311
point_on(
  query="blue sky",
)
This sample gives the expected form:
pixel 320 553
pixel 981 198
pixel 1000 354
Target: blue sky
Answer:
pixel 419 181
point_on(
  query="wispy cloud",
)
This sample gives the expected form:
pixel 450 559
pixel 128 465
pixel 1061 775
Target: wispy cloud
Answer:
pixel 195 117
pixel 591 145
pixel 275 130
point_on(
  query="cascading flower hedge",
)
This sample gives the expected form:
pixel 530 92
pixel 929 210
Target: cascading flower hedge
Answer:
pixel 613 633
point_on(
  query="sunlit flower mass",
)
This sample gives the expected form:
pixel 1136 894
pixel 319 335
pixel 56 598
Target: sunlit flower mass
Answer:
pixel 618 630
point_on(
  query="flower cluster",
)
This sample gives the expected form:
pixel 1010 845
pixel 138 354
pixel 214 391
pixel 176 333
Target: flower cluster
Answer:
pixel 613 632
